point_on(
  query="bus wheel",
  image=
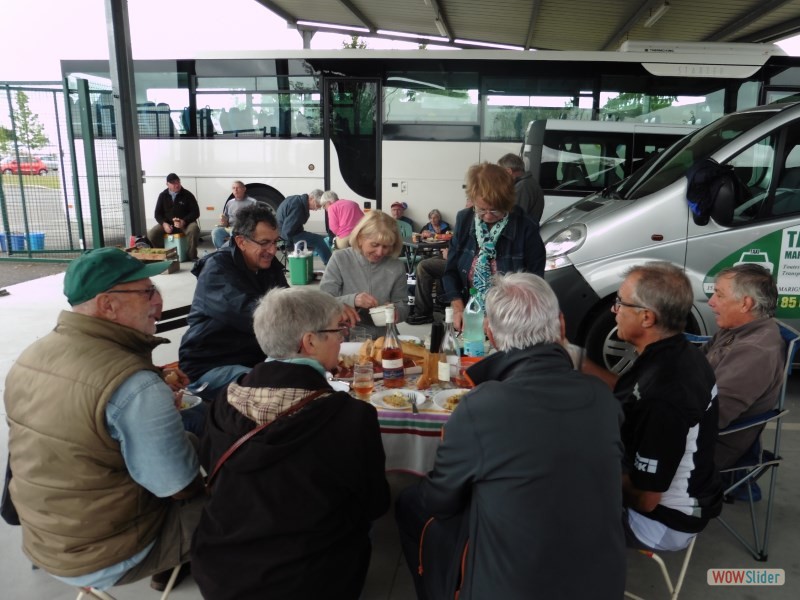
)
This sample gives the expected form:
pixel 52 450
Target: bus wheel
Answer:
pixel 605 348
pixel 265 193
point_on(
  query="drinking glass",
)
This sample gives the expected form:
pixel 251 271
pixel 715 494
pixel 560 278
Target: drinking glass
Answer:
pixel 359 334
pixel 363 380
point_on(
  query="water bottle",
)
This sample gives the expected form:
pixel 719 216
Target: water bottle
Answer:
pixel 473 327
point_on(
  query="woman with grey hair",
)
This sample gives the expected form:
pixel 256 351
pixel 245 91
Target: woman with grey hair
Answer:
pixel 435 225
pixel 368 274
pixel 290 511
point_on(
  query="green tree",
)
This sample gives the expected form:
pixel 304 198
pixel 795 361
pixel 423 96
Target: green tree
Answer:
pixel 6 137
pixel 630 105
pixel 354 43
pixel 30 133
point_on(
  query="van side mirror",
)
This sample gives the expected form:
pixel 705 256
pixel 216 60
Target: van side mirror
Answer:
pixel 725 200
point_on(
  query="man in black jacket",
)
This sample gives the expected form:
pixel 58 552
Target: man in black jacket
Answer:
pixel 176 212
pixel 220 344
pixel 528 469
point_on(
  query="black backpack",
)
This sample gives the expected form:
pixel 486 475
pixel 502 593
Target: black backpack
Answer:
pixel 713 191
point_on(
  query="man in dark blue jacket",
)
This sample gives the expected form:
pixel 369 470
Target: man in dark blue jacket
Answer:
pixel 528 470
pixel 293 214
pixel 220 344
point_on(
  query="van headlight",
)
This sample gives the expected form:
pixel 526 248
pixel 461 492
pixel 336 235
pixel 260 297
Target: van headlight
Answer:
pixel 563 243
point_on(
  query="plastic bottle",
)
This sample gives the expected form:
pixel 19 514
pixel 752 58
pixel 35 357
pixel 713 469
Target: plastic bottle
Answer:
pixel 392 355
pixel 473 327
pixel 448 352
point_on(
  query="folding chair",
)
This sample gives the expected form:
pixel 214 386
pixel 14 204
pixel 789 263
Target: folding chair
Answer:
pixel 93 593
pixel 674 589
pixel 758 461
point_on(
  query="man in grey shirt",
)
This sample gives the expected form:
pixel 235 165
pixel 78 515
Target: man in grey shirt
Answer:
pixel 222 232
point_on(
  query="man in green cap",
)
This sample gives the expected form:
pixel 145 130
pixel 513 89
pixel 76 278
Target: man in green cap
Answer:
pixel 97 448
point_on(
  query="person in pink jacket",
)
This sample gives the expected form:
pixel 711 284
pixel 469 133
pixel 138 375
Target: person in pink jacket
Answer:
pixel 341 216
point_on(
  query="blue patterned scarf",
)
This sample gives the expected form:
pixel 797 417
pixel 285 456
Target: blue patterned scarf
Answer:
pixel 487 251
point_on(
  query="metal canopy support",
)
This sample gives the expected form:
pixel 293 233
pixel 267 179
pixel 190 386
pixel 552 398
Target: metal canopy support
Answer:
pixel 124 93
pixel 307 35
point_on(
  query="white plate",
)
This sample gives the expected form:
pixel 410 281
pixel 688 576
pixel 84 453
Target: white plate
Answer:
pixel 377 398
pixel 440 398
pixel 410 338
pixel 189 401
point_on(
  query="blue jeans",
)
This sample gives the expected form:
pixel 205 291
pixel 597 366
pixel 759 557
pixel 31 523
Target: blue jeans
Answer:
pixel 220 236
pixel 217 379
pixel 314 242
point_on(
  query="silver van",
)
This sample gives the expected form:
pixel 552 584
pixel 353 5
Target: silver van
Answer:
pixel 756 218
pixel 573 158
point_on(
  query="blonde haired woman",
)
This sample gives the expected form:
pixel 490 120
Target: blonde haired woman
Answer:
pixel 368 274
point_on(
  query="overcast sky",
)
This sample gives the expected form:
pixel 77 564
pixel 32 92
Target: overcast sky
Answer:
pixel 35 36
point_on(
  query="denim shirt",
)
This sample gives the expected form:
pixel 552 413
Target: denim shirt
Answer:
pixel 519 248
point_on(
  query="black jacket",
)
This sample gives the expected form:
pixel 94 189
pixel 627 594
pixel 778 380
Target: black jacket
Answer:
pixel 221 318
pixel 183 207
pixel 290 512
pixel 534 451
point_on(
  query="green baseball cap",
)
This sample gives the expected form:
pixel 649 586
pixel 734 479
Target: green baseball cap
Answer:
pixel 100 269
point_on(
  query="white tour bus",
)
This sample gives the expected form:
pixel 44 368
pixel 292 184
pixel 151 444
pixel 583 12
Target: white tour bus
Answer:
pixel 385 126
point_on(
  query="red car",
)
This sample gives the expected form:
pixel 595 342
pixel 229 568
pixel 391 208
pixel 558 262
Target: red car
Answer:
pixel 29 166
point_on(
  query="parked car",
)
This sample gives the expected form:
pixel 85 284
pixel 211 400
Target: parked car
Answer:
pixel 51 161
pixel 28 166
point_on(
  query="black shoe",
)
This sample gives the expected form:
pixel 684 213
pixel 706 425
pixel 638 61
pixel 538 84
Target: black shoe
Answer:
pixel 419 319
pixel 159 581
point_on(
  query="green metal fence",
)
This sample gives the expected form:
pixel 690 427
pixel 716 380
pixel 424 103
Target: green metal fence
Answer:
pixel 54 201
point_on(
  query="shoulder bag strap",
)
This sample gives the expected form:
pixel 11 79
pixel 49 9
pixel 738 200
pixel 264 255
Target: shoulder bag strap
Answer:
pixel 238 443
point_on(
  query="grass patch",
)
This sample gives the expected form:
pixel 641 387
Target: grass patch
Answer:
pixel 52 180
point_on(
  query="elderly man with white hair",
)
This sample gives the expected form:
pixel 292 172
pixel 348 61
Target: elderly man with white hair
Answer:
pixel 528 469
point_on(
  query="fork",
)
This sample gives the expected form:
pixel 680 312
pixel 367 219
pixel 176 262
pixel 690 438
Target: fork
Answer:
pixel 413 399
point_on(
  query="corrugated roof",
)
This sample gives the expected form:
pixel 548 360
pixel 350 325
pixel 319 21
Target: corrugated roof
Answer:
pixel 554 24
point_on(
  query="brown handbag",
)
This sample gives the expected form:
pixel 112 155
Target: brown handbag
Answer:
pixel 238 443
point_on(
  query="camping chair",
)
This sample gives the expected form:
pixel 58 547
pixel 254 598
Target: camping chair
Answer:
pixel 93 593
pixel 674 588
pixel 758 462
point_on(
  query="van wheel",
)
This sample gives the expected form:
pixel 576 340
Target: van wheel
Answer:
pixel 605 348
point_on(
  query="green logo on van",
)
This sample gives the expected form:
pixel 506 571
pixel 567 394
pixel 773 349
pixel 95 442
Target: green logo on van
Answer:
pixel 779 253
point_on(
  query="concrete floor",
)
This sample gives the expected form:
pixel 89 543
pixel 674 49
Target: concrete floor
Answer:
pixel 30 311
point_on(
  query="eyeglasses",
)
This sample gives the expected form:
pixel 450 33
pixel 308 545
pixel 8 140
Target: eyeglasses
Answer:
pixel 149 291
pixel 481 212
pixel 618 302
pixel 265 243
pixel 342 330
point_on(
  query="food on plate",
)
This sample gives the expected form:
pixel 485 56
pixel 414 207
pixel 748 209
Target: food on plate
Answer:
pixel 396 400
pixel 410 349
pixel 451 402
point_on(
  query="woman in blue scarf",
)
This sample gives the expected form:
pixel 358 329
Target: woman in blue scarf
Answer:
pixel 494 236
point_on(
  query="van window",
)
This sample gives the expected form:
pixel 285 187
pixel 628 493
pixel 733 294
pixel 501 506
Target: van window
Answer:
pixel 589 161
pixel 697 146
